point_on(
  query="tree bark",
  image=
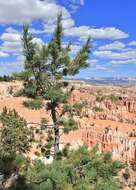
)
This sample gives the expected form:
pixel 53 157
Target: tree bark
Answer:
pixel 56 129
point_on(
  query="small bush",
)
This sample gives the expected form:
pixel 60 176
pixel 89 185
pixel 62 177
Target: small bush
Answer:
pixel 20 76
pixel 78 108
pixel 33 104
pixel 98 109
pixel 100 98
pixel 30 89
pixel 19 93
pixel 111 97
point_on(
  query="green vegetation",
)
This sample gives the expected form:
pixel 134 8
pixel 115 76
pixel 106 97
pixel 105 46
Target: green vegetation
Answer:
pixel 78 108
pixel 111 97
pixel 82 170
pixel 98 109
pixel 70 170
pixel 15 140
pixel 35 104
pixel 19 93
pixel 29 90
pixel 75 109
pixel 20 76
pixel 45 67
pixel 6 78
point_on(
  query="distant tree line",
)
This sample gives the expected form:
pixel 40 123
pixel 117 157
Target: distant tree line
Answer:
pixel 6 78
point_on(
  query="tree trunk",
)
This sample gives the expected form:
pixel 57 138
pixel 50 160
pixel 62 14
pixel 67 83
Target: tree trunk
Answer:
pixel 9 182
pixel 56 129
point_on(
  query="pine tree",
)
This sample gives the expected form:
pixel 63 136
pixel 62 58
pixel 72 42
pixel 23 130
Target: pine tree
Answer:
pixel 82 170
pixel 45 67
pixel 15 141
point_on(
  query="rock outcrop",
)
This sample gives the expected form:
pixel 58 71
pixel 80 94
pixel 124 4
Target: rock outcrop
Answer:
pixel 122 146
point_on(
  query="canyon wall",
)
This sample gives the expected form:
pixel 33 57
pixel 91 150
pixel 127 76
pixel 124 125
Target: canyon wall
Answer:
pixel 122 146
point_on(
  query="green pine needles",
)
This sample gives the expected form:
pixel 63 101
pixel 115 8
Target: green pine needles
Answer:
pixel 45 67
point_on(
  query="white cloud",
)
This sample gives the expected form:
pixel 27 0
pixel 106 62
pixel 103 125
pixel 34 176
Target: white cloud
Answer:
pixel 97 33
pixel 12 41
pixel 36 31
pixel 11 47
pixel 68 23
pixel 125 55
pixel 21 11
pixel 83 32
pixel 10 37
pixel 117 53
pixel 38 41
pixel 73 5
pixel 128 61
pixel 101 68
pixel 133 43
pixel 113 46
pixel 3 54
pixel 11 30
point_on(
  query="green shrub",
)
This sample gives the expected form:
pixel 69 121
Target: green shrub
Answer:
pixel 20 76
pixel 15 140
pixel 78 108
pixel 111 97
pixel 30 89
pixel 33 104
pixel 100 98
pixel 98 109
pixel 82 170
pixel 19 93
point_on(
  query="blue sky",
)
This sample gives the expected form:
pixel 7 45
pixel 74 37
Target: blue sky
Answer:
pixel 109 22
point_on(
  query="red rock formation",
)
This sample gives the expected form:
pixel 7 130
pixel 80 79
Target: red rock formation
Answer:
pixel 122 146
